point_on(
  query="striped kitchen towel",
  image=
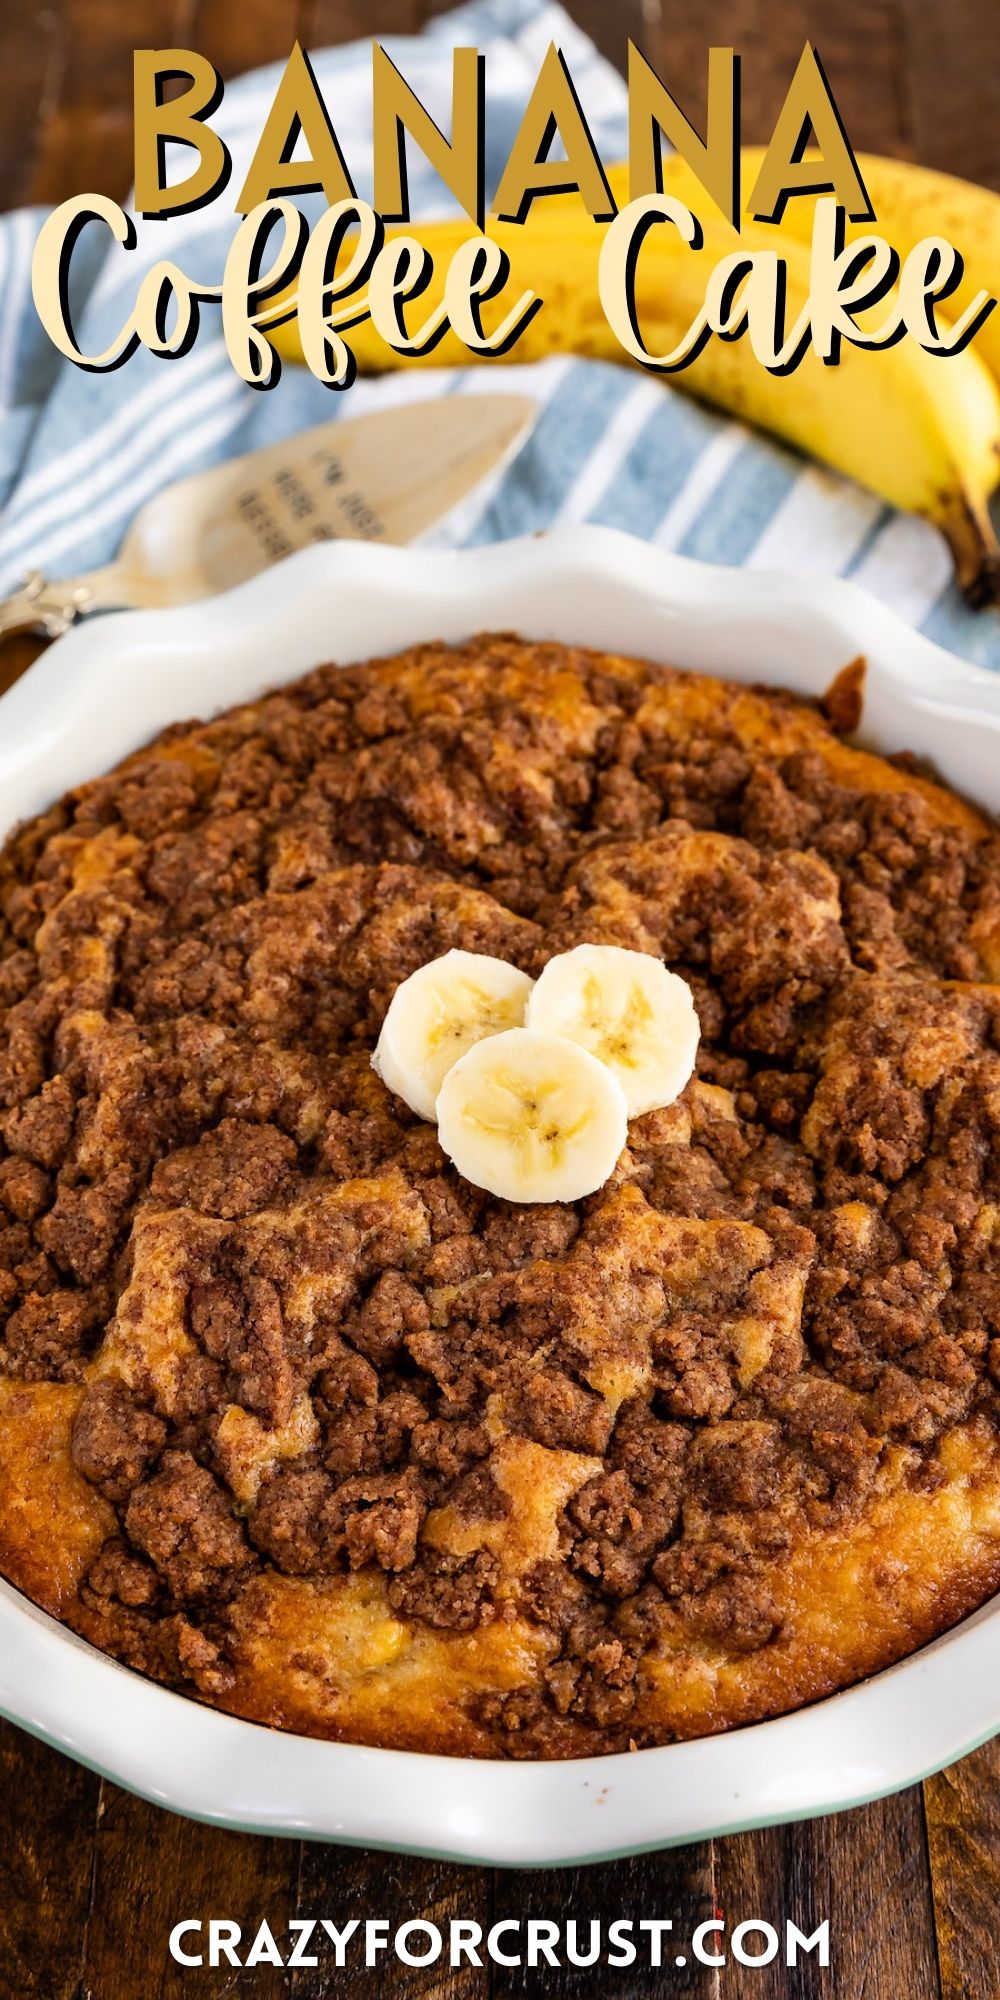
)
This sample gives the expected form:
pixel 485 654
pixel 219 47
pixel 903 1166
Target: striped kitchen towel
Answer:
pixel 79 453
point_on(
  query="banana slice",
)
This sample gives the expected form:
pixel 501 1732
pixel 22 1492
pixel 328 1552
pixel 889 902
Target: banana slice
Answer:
pixel 532 1117
pixel 629 1011
pixel 437 1014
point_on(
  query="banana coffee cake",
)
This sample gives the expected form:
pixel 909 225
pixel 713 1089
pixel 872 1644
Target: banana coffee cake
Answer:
pixel 296 1417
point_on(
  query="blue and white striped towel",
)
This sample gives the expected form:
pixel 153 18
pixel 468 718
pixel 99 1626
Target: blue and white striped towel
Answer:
pixel 80 453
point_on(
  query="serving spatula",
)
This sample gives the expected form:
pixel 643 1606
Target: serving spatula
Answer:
pixel 381 478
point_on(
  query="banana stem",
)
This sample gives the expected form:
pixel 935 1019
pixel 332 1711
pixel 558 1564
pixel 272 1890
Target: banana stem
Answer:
pixel 973 542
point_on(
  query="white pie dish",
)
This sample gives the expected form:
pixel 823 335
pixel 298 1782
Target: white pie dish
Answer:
pixel 105 689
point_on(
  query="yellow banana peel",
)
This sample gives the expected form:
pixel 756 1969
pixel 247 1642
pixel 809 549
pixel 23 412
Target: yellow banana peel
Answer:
pixel 922 431
pixel 912 202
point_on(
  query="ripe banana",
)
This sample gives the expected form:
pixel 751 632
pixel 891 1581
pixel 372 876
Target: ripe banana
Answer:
pixel 629 1011
pixel 436 1014
pixel 532 1117
pixel 921 431
pixel 953 463
pixel 539 1111
pixel 912 202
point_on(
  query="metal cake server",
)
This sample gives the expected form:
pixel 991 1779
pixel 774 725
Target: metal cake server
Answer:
pixel 380 478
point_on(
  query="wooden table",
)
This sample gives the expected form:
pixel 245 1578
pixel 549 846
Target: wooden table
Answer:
pixel 91 1880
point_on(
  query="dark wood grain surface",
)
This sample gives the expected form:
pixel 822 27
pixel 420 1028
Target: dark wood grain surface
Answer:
pixel 91 1880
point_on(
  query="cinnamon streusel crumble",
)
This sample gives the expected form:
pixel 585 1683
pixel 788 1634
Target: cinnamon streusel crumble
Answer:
pixel 295 1419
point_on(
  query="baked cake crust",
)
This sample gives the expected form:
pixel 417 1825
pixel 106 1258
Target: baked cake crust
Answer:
pixel 297 1421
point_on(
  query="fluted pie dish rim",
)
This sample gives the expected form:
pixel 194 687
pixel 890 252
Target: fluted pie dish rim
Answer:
pixel 103 691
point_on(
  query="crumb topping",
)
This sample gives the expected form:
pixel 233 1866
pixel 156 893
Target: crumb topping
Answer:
pixel 306 1346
